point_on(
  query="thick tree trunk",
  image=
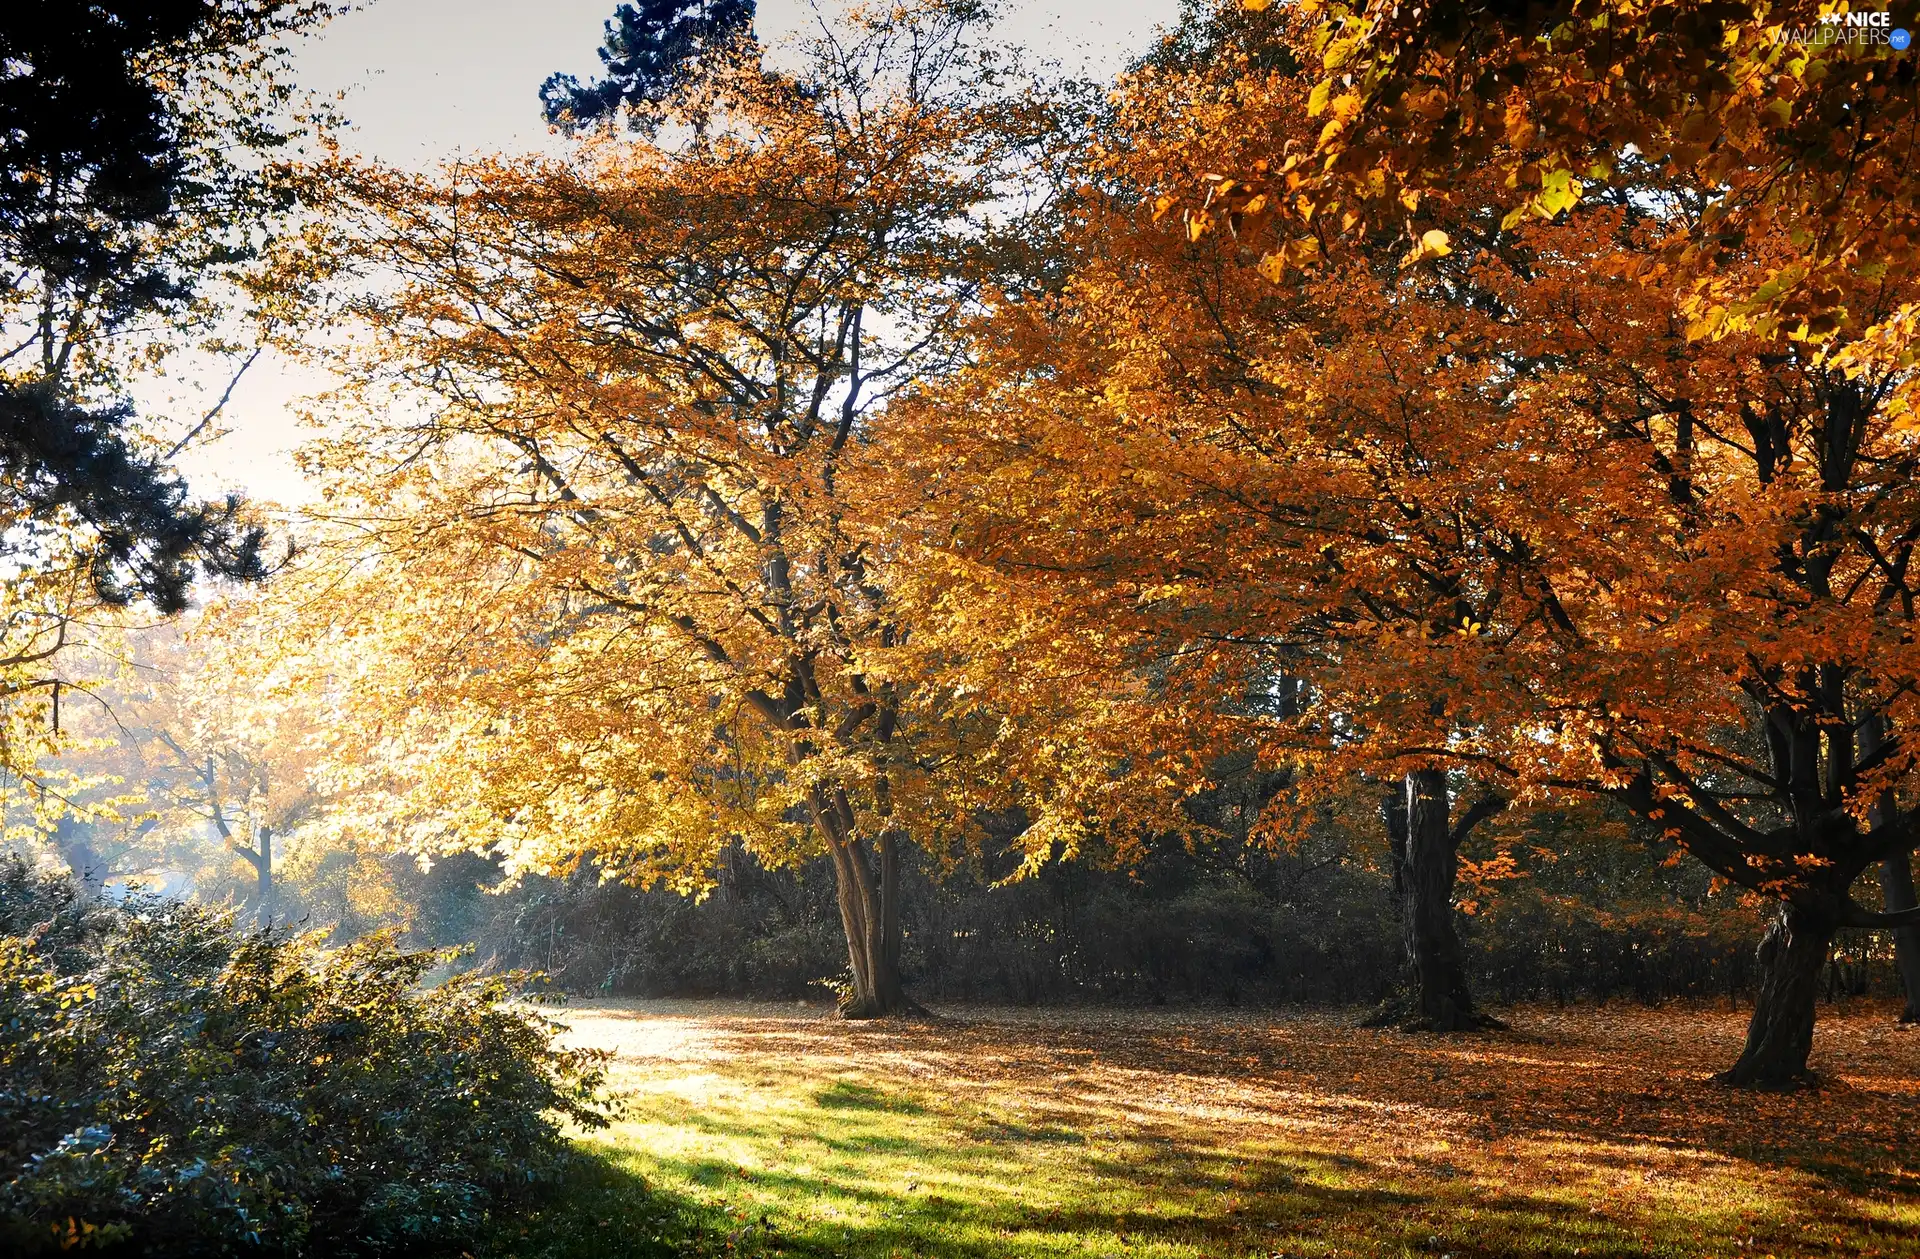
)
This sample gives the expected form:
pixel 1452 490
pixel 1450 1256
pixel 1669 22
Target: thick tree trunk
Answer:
pixel 872 919
pixel 870 915
pixel 1897 890
pixel 1780 1036
pixel 1440 999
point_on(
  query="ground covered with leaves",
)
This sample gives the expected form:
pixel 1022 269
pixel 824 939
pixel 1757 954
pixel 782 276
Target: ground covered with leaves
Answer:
pixel 1155 1133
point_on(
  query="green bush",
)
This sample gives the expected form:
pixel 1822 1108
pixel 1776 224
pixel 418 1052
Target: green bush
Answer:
pixel 172 1084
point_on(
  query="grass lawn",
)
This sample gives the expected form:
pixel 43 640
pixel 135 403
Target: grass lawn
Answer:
pixel 769 1130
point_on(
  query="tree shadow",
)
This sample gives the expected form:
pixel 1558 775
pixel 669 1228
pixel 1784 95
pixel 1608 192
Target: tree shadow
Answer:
pixel 1241 1135
pixel 1636 1086
pixel 607 1209
pixel 847 1095
pixel 1278 1204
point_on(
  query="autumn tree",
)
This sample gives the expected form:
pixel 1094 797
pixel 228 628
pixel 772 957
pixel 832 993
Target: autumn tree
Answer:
pixel 1779 270
pixel 223 763
pixel 1178 476
pixel 1747 100
pixel 173 768
pixel 587 542
pixel 1530 510
pixel 1147 488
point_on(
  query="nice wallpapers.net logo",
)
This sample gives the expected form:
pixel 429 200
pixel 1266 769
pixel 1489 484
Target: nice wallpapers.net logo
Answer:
pixel 1865 29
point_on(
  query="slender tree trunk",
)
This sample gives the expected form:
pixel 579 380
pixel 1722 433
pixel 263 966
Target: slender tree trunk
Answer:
pixel 1393 812
pixel 726 889
pixel 74 839
pixel 1897 890
pixel 1780 1036
pixel 1896 881
pixel 1441 1000
pixel 890 932
pixel 265 893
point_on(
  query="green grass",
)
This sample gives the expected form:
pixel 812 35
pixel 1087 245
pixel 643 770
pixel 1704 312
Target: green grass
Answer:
pixel 1161 1139
pixel 607 1210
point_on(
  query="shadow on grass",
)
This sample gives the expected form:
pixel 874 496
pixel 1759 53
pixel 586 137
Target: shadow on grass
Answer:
pixel 1232 1140
pixel 1657 1094
pixel 1167 1198
pixel 846 1095
pixel 608 1210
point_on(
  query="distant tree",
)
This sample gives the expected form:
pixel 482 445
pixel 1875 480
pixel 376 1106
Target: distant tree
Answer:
pixel 224 767
pixel 178 769
pixel 652 53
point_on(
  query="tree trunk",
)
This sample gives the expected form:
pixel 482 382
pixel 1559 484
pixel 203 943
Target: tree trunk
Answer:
pixel 890 932
pixel 1896 888
pixel 869 910
pixel 870 915
pixel 74 840
pixel 1441 1001
pixel 264 893
pixel 1780 1036
pixel 1896 881
pixel 260 857
pixel 1393 812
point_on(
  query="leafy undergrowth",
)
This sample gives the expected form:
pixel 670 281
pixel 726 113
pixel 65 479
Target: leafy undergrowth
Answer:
pixel 1193 1134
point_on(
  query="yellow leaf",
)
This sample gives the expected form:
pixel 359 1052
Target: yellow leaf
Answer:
pixel 1254 6
pixel 1558 191
pixel 1317 99
pixel 1433 244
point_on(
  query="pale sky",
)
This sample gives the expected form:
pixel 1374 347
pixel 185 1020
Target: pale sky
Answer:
pixel 427 80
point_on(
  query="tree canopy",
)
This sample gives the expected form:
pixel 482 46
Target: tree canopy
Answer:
pixel 652 54
pixel 1445 418
pixel 131 143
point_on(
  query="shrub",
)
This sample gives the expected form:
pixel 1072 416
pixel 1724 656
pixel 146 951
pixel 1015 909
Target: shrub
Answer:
pixel 171 1084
